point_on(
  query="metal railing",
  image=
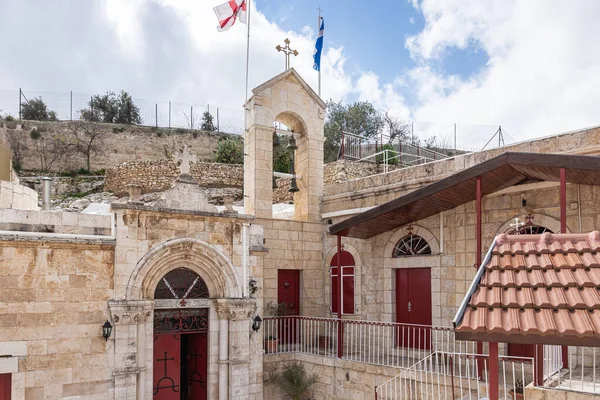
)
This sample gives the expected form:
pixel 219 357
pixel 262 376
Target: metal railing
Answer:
pixel 380 343
pixel 583 374
pixel 449 375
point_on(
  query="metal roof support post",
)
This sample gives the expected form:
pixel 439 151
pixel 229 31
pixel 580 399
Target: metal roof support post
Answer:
pixel 341 298
pixel 493 370
pixel 478 258
pixel 563 229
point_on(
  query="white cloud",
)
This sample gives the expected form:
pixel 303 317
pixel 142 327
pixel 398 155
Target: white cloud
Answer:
pixel 543 74
pixel 542 77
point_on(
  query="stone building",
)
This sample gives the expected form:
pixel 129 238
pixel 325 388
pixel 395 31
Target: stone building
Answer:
pixel 164 301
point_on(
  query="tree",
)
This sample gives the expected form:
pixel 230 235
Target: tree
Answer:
pixel 206 124
pixel 230 151
pixel 35 109
pixel 396 128
pixel 87 139
pixel 17 142
pixel 282 157
pixel 359 118
pixel 113 109
pixel 51 147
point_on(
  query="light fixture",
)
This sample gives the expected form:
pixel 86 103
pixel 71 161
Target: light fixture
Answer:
pixel 293 185
pixel 106 330
pixel 274 182
pixel 256 324
pixel 276 141
pixel 292 144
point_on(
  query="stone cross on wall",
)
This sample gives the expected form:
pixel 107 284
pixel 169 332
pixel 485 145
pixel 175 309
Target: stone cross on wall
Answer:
pixel 185 157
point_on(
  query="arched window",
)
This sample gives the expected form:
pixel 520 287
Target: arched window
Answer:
pixel 529 229
pixel 181 283
pixel 411 245
pixel 348 264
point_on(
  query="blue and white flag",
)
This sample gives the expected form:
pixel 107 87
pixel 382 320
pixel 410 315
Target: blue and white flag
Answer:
pixel 319 47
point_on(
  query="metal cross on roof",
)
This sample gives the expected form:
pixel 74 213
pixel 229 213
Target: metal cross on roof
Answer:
pixel 186 157
pixel 517 225
pixel 287 50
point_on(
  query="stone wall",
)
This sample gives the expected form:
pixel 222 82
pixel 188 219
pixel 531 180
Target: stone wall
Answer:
pixel 337 379
pixel 159 175
pixel 15 196
pixel 52 306
pixel 54 222
pixel 120 143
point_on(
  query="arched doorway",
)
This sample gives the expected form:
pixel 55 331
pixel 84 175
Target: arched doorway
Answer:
pixel 180 349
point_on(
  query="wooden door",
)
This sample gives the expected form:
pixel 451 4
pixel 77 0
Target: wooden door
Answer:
pixel 413 307
pixel 196 359
pixel 288 293
pixel 167 367
pixel 5 386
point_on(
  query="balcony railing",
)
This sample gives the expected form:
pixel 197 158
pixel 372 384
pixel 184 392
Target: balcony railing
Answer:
pixel 381 343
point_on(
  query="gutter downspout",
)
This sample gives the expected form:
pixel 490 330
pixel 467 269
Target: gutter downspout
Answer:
pixel 463 306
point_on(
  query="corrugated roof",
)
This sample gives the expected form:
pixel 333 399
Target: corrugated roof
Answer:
pixel 537 289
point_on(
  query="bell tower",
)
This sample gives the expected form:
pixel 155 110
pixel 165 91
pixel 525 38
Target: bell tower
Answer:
pixel 288 99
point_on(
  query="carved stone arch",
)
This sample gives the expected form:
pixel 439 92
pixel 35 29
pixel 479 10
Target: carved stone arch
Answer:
pixel 538 219
pixel 204 259
pixel 425 233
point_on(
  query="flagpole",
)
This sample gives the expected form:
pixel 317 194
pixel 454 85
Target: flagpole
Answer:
pixel 318 30
pixel 247 50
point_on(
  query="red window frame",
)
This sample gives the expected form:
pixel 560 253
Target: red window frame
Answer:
pixel 348 271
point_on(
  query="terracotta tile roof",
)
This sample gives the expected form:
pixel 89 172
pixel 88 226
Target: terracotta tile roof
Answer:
pixel 536 289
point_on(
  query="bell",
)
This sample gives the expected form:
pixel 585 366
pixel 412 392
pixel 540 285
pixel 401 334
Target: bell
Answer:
pixel 274 182
pixel 276 141
pixel 292 144
pixel 293 186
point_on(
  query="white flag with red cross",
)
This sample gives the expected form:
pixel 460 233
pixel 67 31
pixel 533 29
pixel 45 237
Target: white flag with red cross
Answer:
pixel 228 12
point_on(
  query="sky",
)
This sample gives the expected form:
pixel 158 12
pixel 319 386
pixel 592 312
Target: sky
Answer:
pixel 532 66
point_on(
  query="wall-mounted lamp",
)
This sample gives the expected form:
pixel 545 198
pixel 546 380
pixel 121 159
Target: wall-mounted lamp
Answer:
pixel 257 323
pixel 106 330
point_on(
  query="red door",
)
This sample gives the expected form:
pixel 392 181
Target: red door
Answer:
pixel 167 367
pixel 5 386
pixel 196 366
pixel 288 293
pixel 413 307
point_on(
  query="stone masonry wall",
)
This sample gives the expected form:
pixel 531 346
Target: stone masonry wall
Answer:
pixel 17 197
pixel 121 143
pixel 52 306
pixel 158 175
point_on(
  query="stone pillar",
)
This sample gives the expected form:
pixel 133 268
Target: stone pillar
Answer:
pixel 258 170
pixel 129 369
pixel 223 314
pixel 309 165
pixel 238 314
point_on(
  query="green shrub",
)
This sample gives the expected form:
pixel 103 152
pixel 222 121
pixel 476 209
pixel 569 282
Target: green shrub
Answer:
pixel 294 380
pixel 391 161
pixel 230 151
pixel 9 118
pixel 83 171
pixel 35 134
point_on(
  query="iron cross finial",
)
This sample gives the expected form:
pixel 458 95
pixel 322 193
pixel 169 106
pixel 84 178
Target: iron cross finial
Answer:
pixel 287 50
pixel 517 225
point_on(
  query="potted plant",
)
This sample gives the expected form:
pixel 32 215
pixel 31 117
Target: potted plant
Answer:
pixel 275 310
pixel 271 344
pixel 517 392
pixel 293 380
